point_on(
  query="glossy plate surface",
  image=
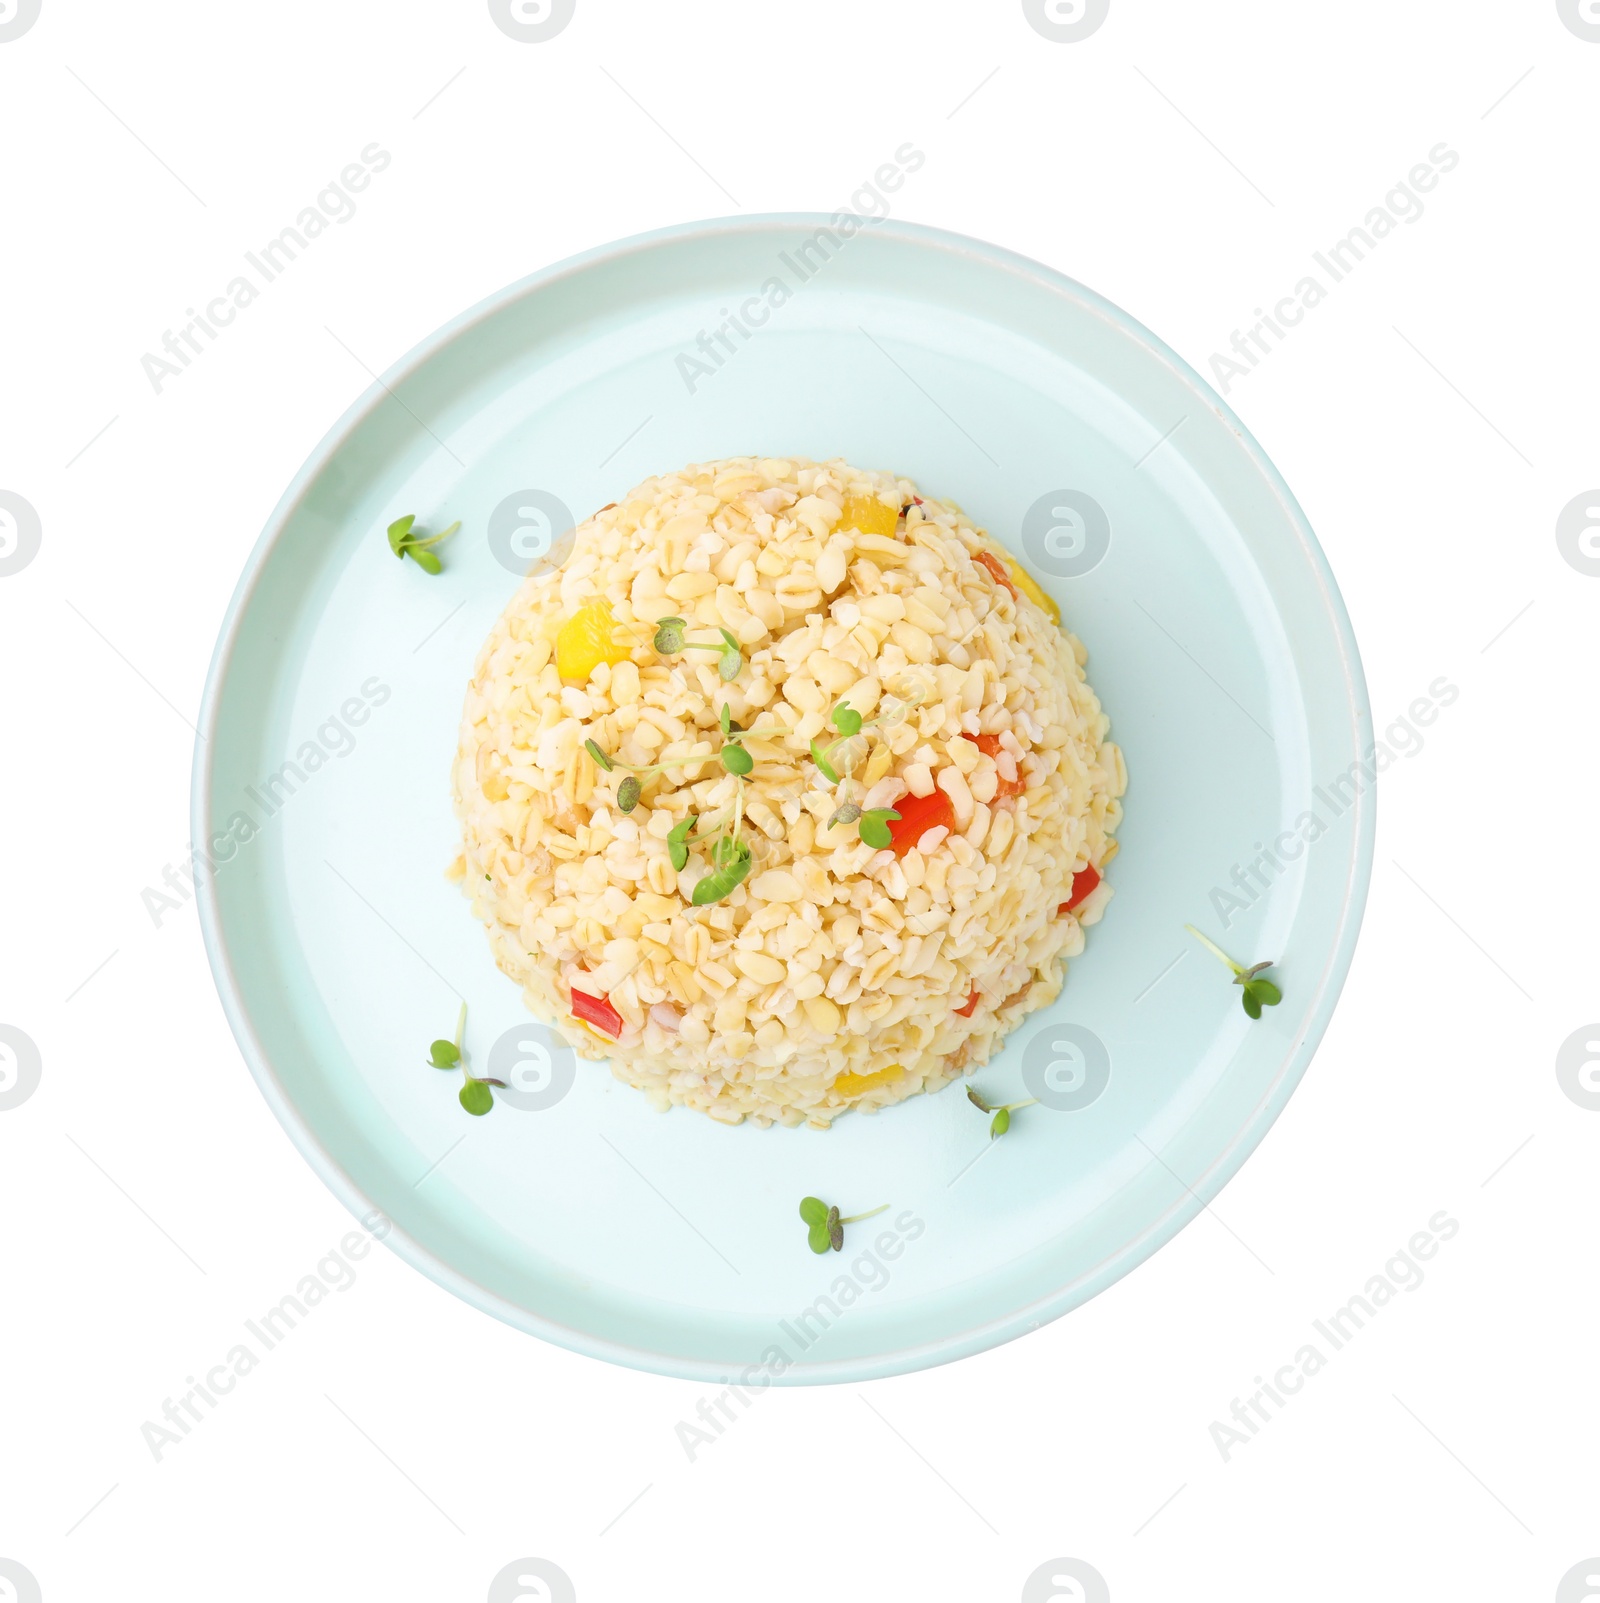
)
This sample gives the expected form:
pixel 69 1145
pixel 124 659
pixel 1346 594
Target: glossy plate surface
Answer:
pixel 1217 642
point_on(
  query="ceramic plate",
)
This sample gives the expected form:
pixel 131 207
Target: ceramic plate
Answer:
pixel 1217 643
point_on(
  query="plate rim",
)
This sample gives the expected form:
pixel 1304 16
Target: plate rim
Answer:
pixel 1018 1321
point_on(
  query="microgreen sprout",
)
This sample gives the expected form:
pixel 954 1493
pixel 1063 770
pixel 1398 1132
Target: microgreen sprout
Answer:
pixel 873 824
pixel 628 793
pixel 835 760
pixel 599 756
pixel 669 640
pixel 824 1227
pixel 1258 993
pixel 406 541
pixel 1001 1122
pixel 475 1095
pixel 736 759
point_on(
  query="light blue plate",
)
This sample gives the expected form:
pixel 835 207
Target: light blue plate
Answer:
pixel 1217 642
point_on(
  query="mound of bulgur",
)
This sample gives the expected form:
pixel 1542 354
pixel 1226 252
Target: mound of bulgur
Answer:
pixel 831 978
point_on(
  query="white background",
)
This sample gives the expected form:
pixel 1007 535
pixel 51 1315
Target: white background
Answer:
pixel 1433 416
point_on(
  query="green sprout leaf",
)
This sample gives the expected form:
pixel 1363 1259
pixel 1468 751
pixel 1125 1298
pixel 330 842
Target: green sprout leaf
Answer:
pixel 444 1054
pixel 424 559
pixel 737 760
pixel 819 756
pixel 599 756
pixel 722 880
pixel 677 842
pixel 874 827
pixel 476 1097
pixel 1258 994
pixel 725 719
pixel 847 814
pixel 628 794
pixel 1267 992
pixel 818 1239
pixel 813 1210
pixel 398 530
pixel 669 635
pixel 1000 1123
pixel 846 720
pixel 729 665
pixel 728 640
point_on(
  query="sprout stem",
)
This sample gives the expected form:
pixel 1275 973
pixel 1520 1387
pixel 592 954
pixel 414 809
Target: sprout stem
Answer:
pixel 856 1218
pixel 671 762
pixel 1211 946
pixel 422 545
pixel 707 757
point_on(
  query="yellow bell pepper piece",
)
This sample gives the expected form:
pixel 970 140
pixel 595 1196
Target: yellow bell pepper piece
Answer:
pixel 1031 588
pixel 586 640
pixel 868 515
pixel 854 1084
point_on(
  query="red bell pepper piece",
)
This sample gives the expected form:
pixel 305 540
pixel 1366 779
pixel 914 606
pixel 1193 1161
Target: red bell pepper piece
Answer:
pixel 971 1007
pixel 1083 884
pixel 598 1011
pixel 919 814
pixel 989 745
pixel 998 569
